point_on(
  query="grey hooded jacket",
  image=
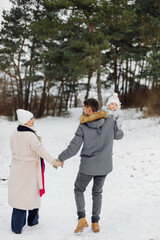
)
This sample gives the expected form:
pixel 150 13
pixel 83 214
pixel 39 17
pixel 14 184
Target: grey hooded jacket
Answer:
pixel 97 138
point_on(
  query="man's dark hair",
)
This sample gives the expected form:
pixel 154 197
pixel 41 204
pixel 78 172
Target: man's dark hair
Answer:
pixel 92 103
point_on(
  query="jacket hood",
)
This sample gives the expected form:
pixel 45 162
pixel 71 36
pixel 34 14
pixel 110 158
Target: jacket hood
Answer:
pixel 95 120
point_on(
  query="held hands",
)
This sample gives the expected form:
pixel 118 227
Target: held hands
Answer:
pixel 57 164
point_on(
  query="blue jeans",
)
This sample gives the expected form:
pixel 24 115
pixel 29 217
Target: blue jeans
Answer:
pixel 81 183
pixel 19 219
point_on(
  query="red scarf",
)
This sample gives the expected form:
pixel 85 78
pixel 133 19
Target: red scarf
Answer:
pixel 42 191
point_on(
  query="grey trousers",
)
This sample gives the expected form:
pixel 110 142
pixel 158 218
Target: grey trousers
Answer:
pixel 81 183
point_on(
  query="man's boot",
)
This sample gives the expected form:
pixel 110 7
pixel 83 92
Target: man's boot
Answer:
pixel 95 227
pixel 82 223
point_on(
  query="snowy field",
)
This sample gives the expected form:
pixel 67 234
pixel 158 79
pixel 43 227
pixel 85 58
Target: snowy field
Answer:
pixel 131 196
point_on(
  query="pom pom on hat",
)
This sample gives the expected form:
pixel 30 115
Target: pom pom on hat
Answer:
pixel 23 115
pixel 114 99
pixel 115 95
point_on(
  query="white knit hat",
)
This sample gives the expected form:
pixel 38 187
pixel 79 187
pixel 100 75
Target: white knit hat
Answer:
pixel 23 115
pixel 114 99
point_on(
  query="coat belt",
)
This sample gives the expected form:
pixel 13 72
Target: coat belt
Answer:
pixel 18 157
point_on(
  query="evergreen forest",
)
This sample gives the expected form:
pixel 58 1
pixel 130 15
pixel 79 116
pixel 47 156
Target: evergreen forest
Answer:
pixel 51 50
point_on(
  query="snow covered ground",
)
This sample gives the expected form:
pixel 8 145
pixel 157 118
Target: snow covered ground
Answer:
pixel 131 196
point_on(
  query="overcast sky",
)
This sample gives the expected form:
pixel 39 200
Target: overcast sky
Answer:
pixel 4 4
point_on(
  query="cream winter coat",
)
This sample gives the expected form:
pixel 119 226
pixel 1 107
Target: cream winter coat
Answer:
pixel 25 178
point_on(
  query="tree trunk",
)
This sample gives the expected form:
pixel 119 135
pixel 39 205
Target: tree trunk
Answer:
pixel 75 99
pixel 61 98
pixel 126 86
pixel 71 96
pixel 42 102
pixel 20 93
pixel 88 83
pixel 27 92
pixel 99 87
pixel 31 97
pixel 115 72
pixel 4 87
pixel 14 98
pixel 48 97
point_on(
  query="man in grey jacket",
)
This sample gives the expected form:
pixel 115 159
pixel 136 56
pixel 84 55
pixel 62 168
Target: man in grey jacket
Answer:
pixel 96 132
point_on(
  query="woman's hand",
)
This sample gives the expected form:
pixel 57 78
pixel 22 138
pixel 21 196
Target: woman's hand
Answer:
pixel 57 163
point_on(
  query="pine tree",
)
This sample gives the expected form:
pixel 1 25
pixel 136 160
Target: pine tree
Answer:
pixel 19 49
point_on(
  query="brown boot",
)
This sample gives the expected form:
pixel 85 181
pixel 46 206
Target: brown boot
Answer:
pixel 95 227
pixel 82 223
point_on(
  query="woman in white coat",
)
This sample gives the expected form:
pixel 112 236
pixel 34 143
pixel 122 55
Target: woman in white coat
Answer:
pixel 26 179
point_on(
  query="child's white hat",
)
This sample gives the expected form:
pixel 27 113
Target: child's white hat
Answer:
pixel 23 115
pixel 114 99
